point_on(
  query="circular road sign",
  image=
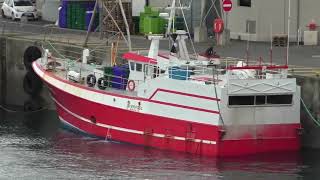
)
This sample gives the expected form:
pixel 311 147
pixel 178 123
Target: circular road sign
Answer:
pixel 227 5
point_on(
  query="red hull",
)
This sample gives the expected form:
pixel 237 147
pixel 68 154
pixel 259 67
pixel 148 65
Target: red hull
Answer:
pixel 170 134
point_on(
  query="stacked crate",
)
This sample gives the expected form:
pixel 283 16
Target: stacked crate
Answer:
pixel 74 14
pixel 148 12
pixel 63 15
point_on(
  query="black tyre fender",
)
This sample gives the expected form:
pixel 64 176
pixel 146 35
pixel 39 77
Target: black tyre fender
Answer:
pixel 32 84
pixel 31 54
pixel 102 83
pixel 31 105
pixel 91 80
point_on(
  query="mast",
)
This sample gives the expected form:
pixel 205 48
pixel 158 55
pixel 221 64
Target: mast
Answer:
pixel 172 15
pixel 248 41
pixel 90 24
pixel 288 41
pixel 271 44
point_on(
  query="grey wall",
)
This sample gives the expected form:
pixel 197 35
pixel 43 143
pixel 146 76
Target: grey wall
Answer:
pixel 266 14
pixel 159 3
pixel 15 72
pixel 275 12
pixel 309 9
pixel 50 10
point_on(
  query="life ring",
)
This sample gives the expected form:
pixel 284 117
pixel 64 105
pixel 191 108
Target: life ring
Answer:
pixel 102 83
pixel 91 80
pixel 32 84
pixel 131 85
pixel 31 54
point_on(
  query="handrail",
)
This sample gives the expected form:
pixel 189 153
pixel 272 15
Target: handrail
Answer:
pixel 259 67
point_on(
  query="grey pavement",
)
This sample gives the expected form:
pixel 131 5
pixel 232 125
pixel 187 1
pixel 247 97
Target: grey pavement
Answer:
pixel 308 56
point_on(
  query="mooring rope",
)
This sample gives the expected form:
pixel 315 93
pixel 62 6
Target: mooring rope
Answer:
pixel 309 113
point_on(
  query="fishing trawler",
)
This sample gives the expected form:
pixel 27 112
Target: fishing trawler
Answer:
pixel 177 101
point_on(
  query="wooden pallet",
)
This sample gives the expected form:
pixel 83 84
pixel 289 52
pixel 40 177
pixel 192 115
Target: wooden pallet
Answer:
pixel 114 8
pixel 280 40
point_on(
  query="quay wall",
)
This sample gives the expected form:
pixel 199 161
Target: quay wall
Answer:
pixel 13 71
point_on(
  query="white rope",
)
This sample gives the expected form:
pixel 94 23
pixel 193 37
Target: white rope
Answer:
pixel 309 113
pixel 56 50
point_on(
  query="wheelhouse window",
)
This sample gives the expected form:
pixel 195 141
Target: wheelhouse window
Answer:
pixel 241 100
pixel 279 99
pixel 245 3
pixel 132 66
pixel 138 67
pixel 260 100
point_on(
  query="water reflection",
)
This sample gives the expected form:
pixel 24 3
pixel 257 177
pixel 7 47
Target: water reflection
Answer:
pixel 33 146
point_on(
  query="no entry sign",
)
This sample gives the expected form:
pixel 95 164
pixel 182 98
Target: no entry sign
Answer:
pixel 227 5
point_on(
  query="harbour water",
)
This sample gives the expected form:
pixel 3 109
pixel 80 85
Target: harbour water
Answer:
pixel 33 146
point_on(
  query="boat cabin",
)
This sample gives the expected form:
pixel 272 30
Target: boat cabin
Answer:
pixel 140 67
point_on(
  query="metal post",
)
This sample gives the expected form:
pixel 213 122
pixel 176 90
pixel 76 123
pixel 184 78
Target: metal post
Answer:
pixel 298 19
pixel 171 18
pixel 227 14
pixel 298 40
pixel 248 41
pixel 126 24
pixel 288 41
pixel 227 32
pixel 90 24
pixel 271 44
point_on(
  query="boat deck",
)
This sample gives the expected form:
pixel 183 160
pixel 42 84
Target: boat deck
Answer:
pixel 294 70
pixel 62 73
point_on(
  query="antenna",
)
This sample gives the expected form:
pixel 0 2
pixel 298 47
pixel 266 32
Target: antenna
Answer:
pixel 288 40
pixel 248 41
pixel 271 44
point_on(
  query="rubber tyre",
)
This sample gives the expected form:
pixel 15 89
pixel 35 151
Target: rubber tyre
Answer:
pixel 91 80
pixel 31 54
pixel 31 106
pixel 102 83
pixel 32 84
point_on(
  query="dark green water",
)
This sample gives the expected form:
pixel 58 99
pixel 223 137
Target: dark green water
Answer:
pixel 32 146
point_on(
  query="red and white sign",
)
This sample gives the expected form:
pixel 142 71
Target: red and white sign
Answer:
pixel 227 5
